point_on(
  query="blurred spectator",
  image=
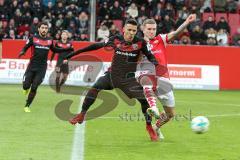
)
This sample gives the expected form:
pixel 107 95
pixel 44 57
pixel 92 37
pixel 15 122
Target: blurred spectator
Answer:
pixel 82 23
pixel 37 10
pixel 46 2
pixel 26 35
pixel 25 8
pixel 34 26
pixel 143 12
pixel 220 5
pixel 49 8
pixel 59 9
pixel 72 8
pixel 116 11
pixel 26 18
pixel 103 11
pixel 82 37
pixel 211 36
pixel 211 41
pixel 207 6
pixel 11 35
pixel 197 35
pixel 236 38
pixel 113 30
pixel 168 24
pixel 210 23
pixel 103 32
pixel 169 10
pixel 23 28
pixel 133 10
pixel 222 38
pixel 17 17
pixel 180 4
pixel 184 38
pixel 222 24
pixel 158 12
pixel 231 6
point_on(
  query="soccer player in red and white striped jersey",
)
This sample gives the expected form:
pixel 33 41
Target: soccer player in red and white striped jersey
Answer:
pixel 155 80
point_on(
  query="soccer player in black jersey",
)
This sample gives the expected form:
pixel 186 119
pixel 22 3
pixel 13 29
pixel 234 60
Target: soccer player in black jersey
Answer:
pixel 40 45
pixel 62 69
pixel 127 50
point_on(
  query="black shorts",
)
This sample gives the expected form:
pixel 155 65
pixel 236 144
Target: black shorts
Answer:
pixel 129 85
pixel 33 77
pixel 62 69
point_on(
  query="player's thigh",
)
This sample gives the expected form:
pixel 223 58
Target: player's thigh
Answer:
pixel 28 78
pixel 104 82
pixel 38 79
pixel 64 69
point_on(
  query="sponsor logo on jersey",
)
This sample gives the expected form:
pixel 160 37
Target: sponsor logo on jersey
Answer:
pixel 42 47
pixel 126 54
pixel 156 41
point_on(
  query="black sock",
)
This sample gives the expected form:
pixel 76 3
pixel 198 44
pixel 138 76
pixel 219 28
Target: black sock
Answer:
pixel 57 83
pixel 89 99
pixel 145 106
pixel 31 96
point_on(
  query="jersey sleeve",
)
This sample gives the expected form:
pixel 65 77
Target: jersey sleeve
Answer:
pixel 148 53
pixel 164 38
pixel 28 44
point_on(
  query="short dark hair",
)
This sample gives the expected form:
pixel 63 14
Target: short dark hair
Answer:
pixel 131 21
pixel 42 23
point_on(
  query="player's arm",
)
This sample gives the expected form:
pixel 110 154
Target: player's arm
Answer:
pixel 174 34
pixel 53 54
pixel 91 47
pixel 29 43
pixel 148 53
pixel 59 50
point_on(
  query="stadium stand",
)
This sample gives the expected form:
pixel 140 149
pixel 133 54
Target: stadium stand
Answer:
pixel 19 19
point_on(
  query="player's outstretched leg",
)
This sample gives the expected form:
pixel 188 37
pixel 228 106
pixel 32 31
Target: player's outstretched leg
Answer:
pixel 88 101
pixel 148 83
pixel 148 118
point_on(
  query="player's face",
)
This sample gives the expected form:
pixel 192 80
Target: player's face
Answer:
pixel 149 30
pixel 43 30
pixel 129 32
pixel 64 36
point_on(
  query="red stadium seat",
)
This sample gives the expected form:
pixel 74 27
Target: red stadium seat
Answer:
pixel 219 15
pixel 234 29
pixel 206 15
pixel 118 24
pixel 233 19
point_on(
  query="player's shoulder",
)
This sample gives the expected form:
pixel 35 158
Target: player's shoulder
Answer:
pixel 139 39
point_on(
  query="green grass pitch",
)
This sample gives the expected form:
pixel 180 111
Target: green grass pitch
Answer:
pixel 120 134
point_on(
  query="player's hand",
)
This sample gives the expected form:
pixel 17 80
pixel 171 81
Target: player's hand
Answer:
pixel 191 18
pixel 20 54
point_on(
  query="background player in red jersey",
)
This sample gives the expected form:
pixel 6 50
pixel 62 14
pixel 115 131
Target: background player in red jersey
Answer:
pixel 62 69
pixel 40 45
pixel 155 79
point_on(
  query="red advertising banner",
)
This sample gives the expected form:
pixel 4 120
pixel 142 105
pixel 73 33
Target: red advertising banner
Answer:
pixel 227 58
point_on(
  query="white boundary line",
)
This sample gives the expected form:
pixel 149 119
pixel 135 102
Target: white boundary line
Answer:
pixel 210 103
pixel 78 139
